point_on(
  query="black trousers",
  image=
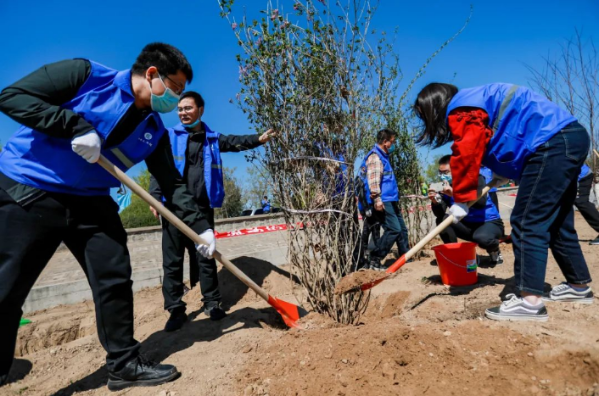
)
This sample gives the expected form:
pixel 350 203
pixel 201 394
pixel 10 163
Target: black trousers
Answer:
pixel 486 235
pixel 583 203
pixel 174 244
pixel 370 226
pixel 92 230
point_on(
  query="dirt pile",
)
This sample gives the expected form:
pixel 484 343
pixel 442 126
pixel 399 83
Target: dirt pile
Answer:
pixel 393 358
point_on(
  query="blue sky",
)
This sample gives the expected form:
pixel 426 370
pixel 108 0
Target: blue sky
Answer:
pixel 502 37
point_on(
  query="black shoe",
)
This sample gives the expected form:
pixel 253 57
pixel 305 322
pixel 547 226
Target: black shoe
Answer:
pixel 141 372
pixel 496 258
pixel 376 265
pixel 434 263
pixel 176 321
pixel 595 241
pixel 214 310
pixel 3 379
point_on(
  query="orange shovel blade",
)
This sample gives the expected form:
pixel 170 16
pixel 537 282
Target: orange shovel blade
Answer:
pixel 291 313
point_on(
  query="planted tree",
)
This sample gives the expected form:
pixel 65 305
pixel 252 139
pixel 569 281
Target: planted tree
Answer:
pixel 321 77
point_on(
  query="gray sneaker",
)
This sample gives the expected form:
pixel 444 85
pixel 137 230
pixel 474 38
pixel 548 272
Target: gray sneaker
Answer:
pixel 516 309
pixel 566 293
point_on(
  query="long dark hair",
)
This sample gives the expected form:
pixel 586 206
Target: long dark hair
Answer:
pixel 431 107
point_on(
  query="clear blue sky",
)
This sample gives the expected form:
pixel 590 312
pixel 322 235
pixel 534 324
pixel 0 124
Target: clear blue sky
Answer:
pixel 502 37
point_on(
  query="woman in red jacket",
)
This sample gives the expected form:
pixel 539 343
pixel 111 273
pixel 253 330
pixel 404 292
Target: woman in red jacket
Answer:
pixel 521 135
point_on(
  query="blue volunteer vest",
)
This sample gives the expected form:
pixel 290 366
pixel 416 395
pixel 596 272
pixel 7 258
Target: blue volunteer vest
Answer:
pixel 489 213
pixel 521 119
pixel 38 160
pixel 265 206
pixel 389 190
pixel 584 172
pixel 213 166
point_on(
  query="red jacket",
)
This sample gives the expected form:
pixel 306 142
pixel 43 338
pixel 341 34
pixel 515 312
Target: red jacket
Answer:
pixel 469 127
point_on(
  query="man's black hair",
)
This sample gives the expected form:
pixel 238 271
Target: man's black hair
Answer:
pixel 195 96
pixel 445 159
pixel 385 134
pixel 166 58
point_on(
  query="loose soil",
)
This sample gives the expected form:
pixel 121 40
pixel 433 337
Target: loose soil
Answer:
pixel 417 337
pixel 354 281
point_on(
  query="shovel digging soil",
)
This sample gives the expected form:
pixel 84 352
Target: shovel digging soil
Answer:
pixel 364 280
pixel 290 313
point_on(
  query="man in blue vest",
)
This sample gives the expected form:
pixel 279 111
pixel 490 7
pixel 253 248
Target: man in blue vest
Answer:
pixel 196 150
pixel 482 225
pixel 265 205
pixel 583 202
pixel 51 190
pixel 383 193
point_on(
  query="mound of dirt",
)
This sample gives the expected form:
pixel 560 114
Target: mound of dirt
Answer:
pixel 393 358
pixel 355 280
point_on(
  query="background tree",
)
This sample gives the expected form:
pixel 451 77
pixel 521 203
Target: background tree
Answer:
pixel 258 184
pixel 431 172
pixel 138 213
pixel 234 202
pixel 570 78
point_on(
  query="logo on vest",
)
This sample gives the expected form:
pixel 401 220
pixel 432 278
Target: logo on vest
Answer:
pixel 148 137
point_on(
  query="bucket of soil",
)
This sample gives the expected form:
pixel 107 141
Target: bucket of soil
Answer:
pixel 457 263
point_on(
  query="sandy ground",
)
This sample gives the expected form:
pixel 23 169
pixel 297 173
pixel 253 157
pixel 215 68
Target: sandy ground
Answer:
pixel 418 337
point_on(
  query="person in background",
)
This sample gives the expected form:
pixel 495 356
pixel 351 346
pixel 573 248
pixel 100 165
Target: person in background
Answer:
pixel 383 194
pixel 370 223
pixel 196 150
pixel 518 134
pixel 265 205
pixel 52 190
pixel 583 202
pixel 482 225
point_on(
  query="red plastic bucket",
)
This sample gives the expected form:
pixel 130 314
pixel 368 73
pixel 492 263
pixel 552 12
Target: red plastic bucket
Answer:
pixel 457 263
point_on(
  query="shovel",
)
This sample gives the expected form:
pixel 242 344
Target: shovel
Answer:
pixel 370 283
pixel 291 313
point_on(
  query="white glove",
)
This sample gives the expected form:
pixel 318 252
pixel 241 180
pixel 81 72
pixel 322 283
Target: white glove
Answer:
pixel 207 250
pixel 88 146
pixel 459 211
pixel 501 180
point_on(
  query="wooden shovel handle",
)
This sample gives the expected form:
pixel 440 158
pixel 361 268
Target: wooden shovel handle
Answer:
pixel 446 223
pixel 181 226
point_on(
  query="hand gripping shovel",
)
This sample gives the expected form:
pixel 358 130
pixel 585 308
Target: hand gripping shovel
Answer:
pixel 290 312
pixel 348 285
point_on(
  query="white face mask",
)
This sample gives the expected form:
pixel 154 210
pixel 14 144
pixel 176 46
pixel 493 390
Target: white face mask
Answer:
pixel 166 102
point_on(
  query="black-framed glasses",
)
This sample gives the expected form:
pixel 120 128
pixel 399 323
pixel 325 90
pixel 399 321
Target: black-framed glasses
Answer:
pixel 180 89
pixel 186 109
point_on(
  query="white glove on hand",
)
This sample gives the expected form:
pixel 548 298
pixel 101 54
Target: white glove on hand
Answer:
pixel 501 180
pixel 207 250
pixel 459 211
pixel 88 146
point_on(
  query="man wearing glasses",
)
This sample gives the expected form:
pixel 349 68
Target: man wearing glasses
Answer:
pixel 51 190
pixel 482 225
pixel 196 151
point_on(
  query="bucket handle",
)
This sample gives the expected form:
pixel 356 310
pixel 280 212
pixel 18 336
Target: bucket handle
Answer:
pixel 456 264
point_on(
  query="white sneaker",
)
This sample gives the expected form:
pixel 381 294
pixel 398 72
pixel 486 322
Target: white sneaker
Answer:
pixel 517 309
pixel 566 293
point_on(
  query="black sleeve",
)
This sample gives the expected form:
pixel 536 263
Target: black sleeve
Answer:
pixel 236 143
pixel 155 190
pixel 439 209
pixel 35 100
pixel 481 203
pixel 178 199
